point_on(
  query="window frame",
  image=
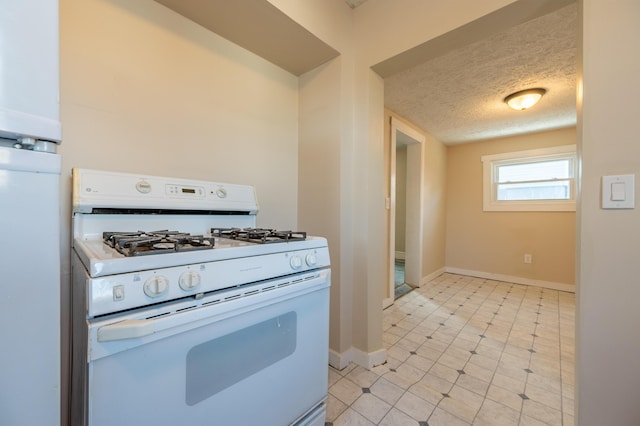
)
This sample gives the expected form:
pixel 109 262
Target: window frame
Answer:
pixel 489 185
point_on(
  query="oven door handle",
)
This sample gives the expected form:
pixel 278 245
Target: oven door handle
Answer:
pixel 127 329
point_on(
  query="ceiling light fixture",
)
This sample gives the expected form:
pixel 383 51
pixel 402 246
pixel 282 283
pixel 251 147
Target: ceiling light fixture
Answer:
pixel 524 99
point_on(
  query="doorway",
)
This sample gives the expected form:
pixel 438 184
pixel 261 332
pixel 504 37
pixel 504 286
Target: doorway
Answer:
pixel 407 218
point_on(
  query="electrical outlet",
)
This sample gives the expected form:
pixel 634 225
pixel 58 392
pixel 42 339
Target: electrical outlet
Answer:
pixel 528 258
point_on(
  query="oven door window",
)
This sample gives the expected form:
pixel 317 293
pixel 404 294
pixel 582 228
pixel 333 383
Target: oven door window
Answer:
pixel 220 363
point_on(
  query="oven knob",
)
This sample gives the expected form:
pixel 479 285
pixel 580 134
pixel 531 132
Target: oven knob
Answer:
pixel 156 286
pixel 189 281
pixel 295 262
pixel 311 259
pixel 143 187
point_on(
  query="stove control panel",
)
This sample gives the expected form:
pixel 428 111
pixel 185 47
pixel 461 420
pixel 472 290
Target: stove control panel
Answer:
pixel 121 292
pixel 100 189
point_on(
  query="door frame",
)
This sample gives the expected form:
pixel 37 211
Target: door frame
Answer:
pixel 403 134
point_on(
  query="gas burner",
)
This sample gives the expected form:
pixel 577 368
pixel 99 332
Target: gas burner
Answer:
pixel 156 242
pixel 259 235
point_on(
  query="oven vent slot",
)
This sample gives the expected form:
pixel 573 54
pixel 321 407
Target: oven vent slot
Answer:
pixel 211 302
pixel 235 296
pixel 164 314
pixel 186 309
pixel 249 293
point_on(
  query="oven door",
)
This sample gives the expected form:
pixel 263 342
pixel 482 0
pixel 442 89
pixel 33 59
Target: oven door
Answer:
pixel 256 359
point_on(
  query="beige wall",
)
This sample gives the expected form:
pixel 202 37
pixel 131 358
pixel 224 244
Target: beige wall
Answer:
pixel 145 90
pixel 608 341
pixel 495 242
pixel 319 178
pixel 434 207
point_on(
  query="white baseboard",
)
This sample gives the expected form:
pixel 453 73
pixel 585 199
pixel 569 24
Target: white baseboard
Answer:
pixel 400 255
pixel 340 361
pixel 513 279
pixel 434 274
pixel 369 359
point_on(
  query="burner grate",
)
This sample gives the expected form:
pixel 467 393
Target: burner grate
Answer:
pixel 259 235
pixel 156 242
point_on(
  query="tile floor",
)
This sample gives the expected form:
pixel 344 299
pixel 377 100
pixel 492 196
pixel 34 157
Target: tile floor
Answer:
pixel 466 351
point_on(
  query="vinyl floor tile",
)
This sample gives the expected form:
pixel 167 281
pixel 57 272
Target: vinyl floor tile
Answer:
pixel 466 351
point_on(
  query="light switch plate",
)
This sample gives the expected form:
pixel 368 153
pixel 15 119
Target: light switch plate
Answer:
pixel 618 192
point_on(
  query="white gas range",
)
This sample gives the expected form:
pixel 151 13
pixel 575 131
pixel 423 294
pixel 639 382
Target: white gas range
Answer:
pixel 185 313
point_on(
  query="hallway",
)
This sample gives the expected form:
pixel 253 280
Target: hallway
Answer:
pixel 400 287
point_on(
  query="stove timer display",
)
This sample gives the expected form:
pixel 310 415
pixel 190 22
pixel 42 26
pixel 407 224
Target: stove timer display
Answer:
pixel 185 191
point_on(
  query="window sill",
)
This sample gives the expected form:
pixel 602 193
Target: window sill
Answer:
pixel 529 206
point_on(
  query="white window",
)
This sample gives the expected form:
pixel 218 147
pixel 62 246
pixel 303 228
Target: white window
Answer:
pixel 535 180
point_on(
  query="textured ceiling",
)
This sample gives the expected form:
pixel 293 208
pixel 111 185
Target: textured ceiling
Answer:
pixel 458 97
